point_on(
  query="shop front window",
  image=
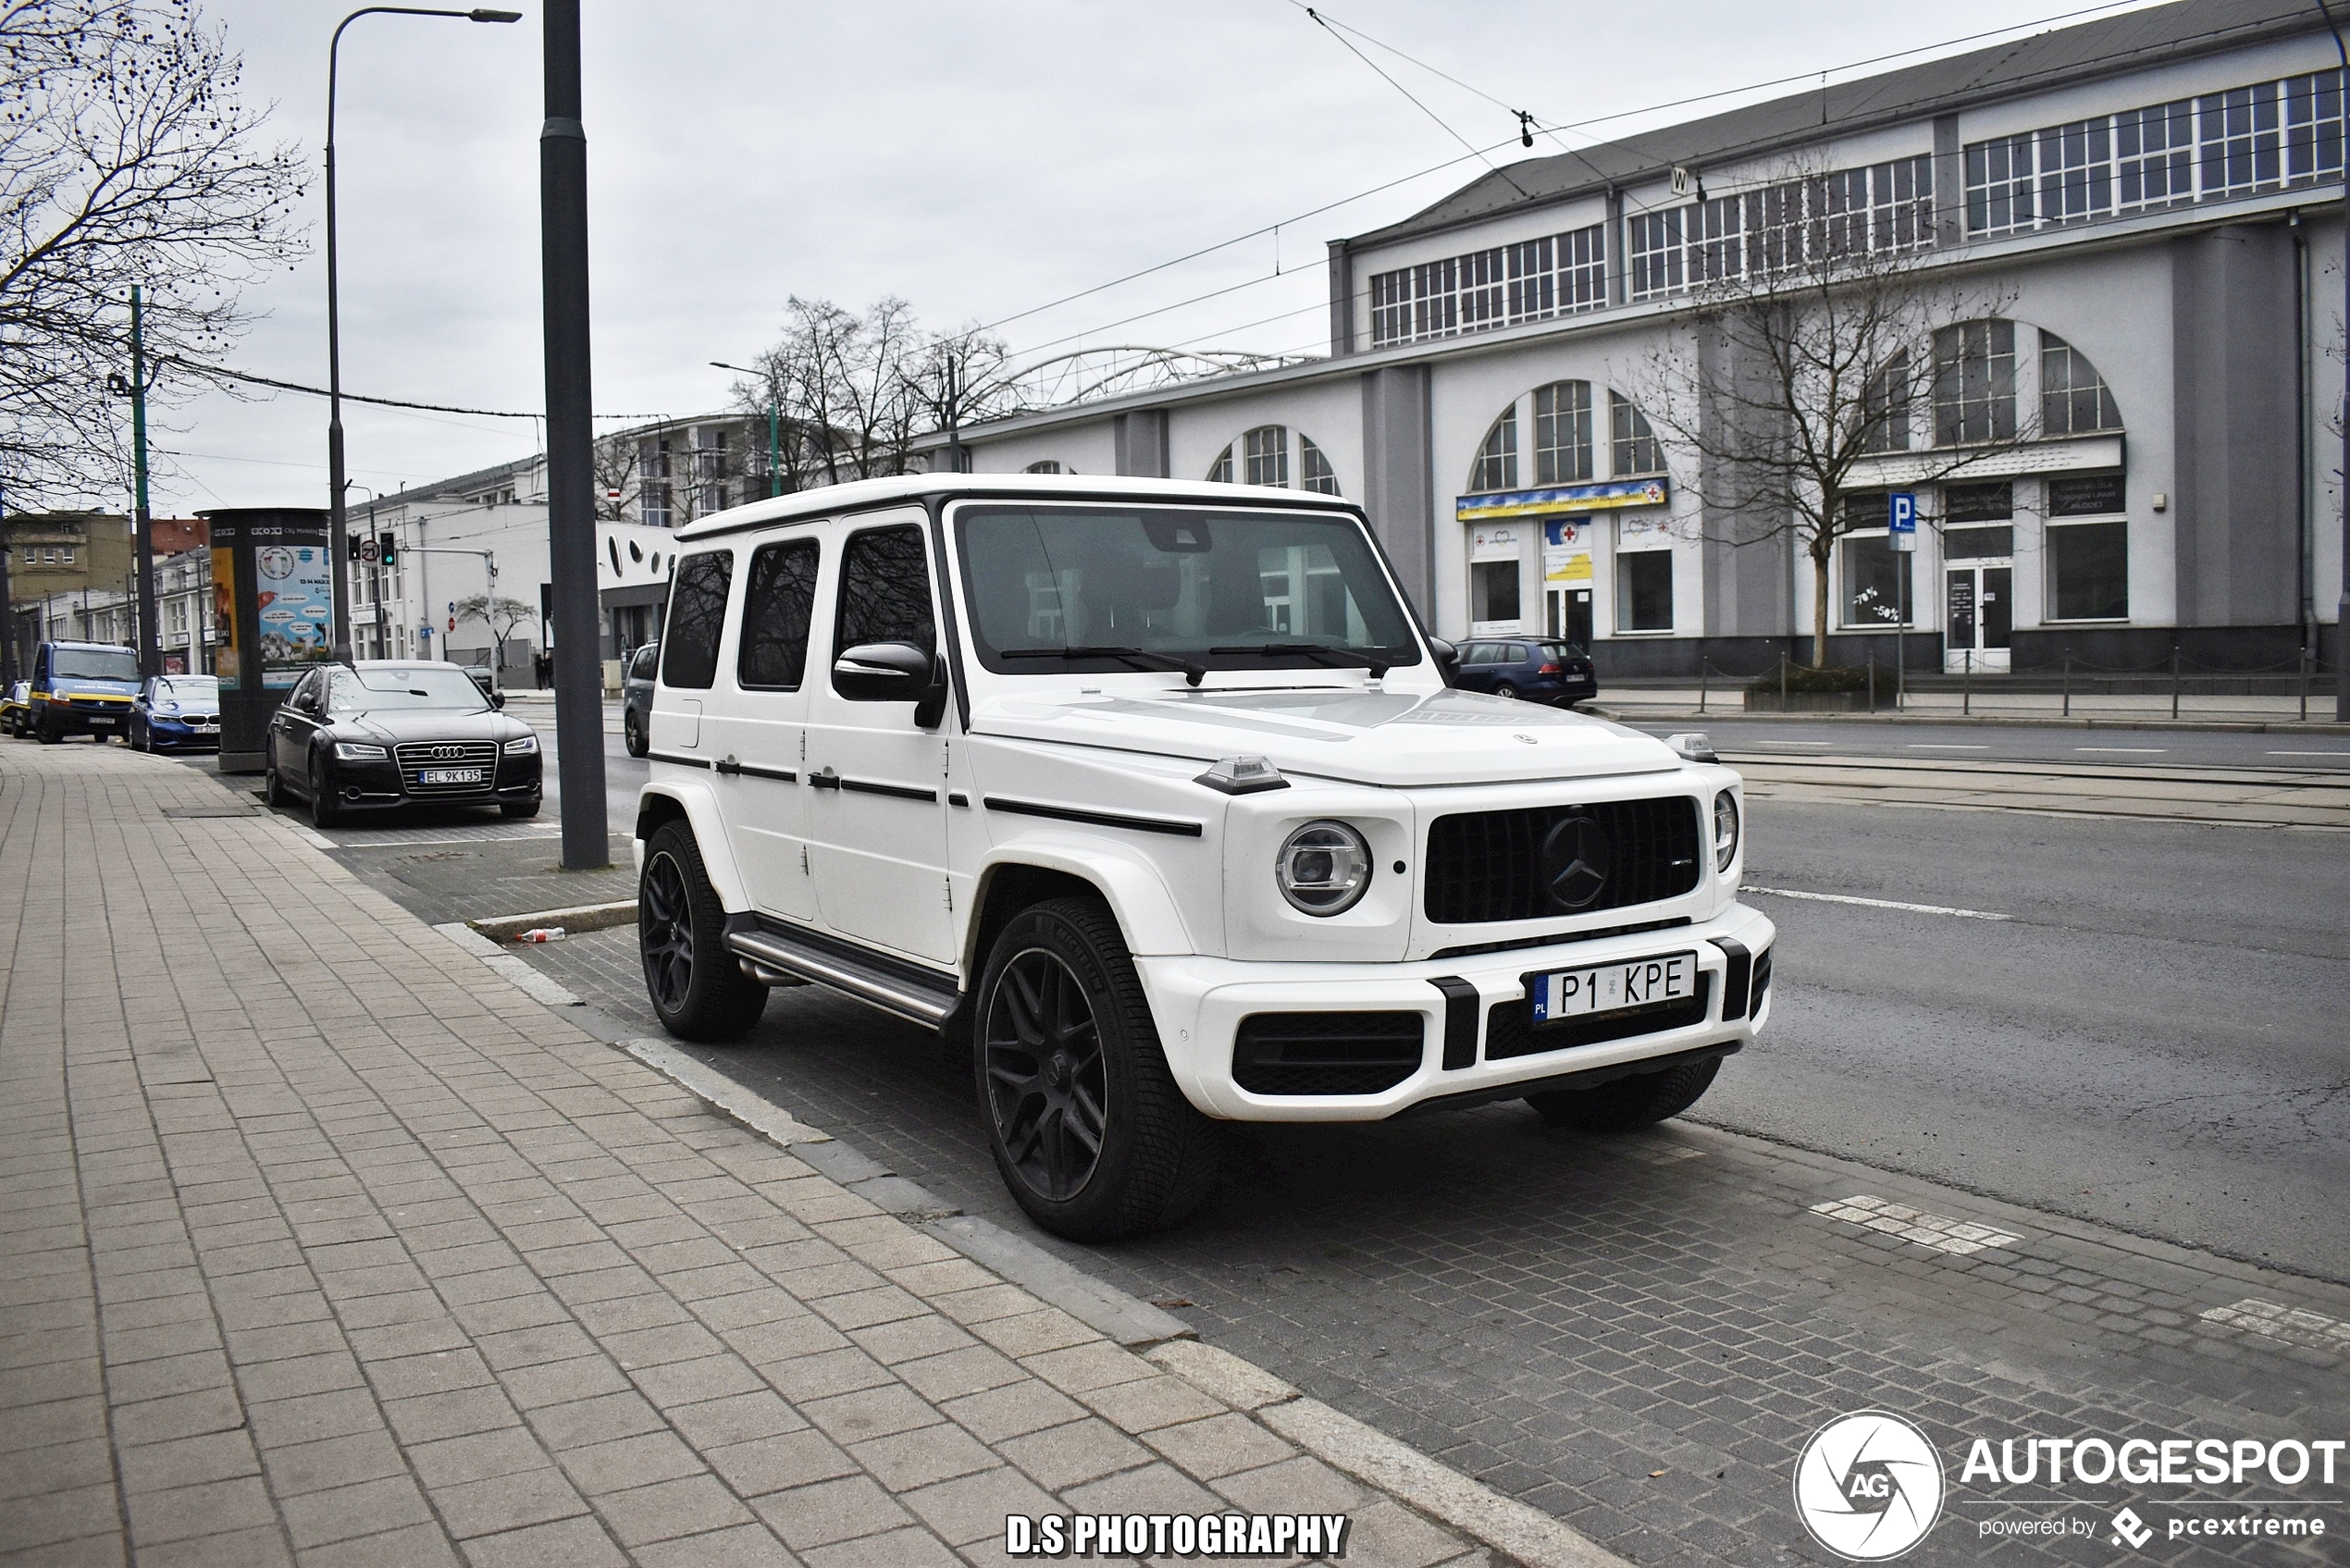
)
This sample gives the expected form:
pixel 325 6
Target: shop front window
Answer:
pixel 1644 591
pixel 1494 591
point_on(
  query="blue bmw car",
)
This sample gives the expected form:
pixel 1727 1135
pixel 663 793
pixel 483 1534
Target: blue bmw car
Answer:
pixel 176 712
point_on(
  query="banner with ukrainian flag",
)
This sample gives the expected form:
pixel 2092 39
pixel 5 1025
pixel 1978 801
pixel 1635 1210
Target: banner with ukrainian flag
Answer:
pixel 1560 498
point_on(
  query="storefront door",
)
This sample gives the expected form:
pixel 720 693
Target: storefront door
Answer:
pixel 1979 610
pixel 1568 616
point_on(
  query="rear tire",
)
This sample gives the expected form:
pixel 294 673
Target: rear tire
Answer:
pixel 1626 1103
pixel 697 987
pixel 1507 690
pixel 1088 1128
pixel 632 733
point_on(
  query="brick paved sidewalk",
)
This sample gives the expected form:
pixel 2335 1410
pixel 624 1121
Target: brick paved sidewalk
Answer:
pixel 321 1244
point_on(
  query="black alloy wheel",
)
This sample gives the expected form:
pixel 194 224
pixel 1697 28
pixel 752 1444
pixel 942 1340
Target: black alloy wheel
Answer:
pixel 1047 1087
pixel 1088 1128
pixel 273 792
pixel 697 986
pixel 323 811
pixel 632 730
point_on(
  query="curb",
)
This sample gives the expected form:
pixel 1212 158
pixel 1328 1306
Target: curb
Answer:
pixel 1518 1531
pixel 2218 726
pixel 529 982
pixel 580 918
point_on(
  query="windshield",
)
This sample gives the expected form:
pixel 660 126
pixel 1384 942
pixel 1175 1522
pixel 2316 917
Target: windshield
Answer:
pixel 93 664
pixel 423 685
pixel 1229 590
pixel 188 688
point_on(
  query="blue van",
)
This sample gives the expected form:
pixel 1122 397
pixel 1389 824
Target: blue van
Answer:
pixel 83 688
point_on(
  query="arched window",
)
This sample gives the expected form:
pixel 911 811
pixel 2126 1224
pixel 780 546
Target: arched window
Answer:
pixel 1497 459
pixel 1046 466
pixel 1975 383
pixel 1634 446
pixel 1566 445
pixel 2075 400
pixel 1269 455
pixel 1562 433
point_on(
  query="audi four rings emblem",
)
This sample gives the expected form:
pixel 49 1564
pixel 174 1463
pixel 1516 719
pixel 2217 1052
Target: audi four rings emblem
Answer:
pixel 442 751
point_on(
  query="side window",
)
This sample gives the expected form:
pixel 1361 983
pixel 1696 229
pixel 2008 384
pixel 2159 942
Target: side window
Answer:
pixel 697 615
pixel 1519 654
pixel 885 590
pixel 777 605
pixel 647 658
pixel 305 694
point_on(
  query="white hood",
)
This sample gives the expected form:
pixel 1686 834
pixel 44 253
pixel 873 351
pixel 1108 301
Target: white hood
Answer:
pixel 1398 739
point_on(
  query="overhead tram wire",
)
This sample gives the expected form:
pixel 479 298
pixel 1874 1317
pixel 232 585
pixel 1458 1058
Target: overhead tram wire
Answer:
pixel 1547 130
pixel 227 375
pixel 1348 46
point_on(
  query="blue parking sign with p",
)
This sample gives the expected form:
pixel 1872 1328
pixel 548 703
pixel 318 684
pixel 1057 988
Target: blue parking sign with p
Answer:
pixel 1901 512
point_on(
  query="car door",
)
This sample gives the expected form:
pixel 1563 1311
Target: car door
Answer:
pixel 759 729
pixel 291 729
pixel 876 807
pixel 1475 672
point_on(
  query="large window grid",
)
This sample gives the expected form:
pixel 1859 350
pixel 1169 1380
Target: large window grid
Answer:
pixel 1527 281
pixel 2075 400
pixel 2266 137
pixel 1975 383
pixel 1881 208
pixel 1561 433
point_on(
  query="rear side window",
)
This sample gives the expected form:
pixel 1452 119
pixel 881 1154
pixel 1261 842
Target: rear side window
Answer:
pixel 697 615
pixel 777 605
pixel 885 590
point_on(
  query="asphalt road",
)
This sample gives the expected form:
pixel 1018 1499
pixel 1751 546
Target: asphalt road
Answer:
pixel 2038 743
pixel 2154 1040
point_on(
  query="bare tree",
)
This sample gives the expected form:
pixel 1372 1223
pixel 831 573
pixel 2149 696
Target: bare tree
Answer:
pixel 1821 341
pixel 619 484
pixel 125 157
pixel 500 614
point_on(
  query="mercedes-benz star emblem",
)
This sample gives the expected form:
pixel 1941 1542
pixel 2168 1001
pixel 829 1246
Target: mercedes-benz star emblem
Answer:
pixel 1575 861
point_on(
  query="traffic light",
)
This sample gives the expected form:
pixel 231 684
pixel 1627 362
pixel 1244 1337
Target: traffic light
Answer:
pixel 384 548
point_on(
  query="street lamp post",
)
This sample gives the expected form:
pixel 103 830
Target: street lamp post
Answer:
pixel 337 533
pixel 775 427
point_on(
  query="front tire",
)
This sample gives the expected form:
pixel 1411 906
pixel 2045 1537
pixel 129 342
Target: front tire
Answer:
pixel 697 989
pixel 273 794
pixel 1088 1128
pixel 1625 1104
pixel 632 731
pixel 323 811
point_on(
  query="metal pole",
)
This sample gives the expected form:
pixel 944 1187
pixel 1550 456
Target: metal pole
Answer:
pixel 1966 686
pixel 8 601
pixel 571 511
pixel 1782 680
pixel 2068 684
pixel 2341 609
pixel 774 446
pixel 1704 669
pixel 338 526
pixel 150 663
pixel 1871 683
pixel 1901 636
pixel 2174 680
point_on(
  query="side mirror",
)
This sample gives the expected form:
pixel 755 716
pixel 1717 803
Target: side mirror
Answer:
pixel 1448 658
pixel 497 700
pixel 884 672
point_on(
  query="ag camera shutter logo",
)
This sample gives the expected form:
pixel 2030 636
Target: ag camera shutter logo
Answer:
pixel 1868 1485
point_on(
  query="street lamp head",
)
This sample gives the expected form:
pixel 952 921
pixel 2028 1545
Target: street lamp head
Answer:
pixel 479 14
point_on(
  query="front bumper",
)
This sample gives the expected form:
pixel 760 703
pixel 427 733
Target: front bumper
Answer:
pixel 1198 1003
pixel 375 786
pixel 176 732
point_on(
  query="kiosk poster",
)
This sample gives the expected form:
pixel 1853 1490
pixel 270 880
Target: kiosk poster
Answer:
pixel 293 585
pixel 226 655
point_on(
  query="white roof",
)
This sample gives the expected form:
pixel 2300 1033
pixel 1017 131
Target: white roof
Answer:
pixel 872 492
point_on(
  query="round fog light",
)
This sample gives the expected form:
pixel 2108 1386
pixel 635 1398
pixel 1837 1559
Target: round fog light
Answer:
pixel 1323 867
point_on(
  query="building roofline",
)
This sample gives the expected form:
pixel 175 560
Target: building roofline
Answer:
pixel 2087 51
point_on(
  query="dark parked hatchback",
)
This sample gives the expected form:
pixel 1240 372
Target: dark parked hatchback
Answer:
pixel 1534 669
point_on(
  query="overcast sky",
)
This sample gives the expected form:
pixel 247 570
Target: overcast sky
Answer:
pixel 976 159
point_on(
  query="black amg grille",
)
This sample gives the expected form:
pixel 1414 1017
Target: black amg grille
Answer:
pixel 1510 1029
pixel 1762 987
pixel 1327 1053
pixel 415 756
pixel 1487 865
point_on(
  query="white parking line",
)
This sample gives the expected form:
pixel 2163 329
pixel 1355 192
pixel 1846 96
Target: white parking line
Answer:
pixel 1955 1236
pixel 2297 1326
pixel 1941 746
pixel 2127 750
pixel 1878 903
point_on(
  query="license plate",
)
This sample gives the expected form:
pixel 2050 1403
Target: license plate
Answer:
pixel 450 776
pixel 1606 988
pixel 101 721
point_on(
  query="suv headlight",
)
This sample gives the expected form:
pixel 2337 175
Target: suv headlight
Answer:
pixel 521 746
pixel 1323 868
pixel 1726 830
pixel 358 751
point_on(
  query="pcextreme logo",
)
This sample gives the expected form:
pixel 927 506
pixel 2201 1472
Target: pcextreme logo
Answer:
pixel 1868 1485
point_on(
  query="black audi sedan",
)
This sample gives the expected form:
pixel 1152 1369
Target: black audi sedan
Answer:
pixel 381 734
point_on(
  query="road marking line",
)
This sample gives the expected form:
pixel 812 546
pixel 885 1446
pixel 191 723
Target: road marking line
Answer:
pixel 1942 746
pixel 1944 1235
pixel 2296 1325
pixel 2127 750
pixel 1791 743
pixel 2310 753
pixel 1878 903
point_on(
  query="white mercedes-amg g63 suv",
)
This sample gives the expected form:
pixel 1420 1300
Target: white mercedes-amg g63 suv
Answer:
pixel 1155 795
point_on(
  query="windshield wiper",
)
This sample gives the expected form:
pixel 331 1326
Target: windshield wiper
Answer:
pixel 1141 658
pixel 1338 658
